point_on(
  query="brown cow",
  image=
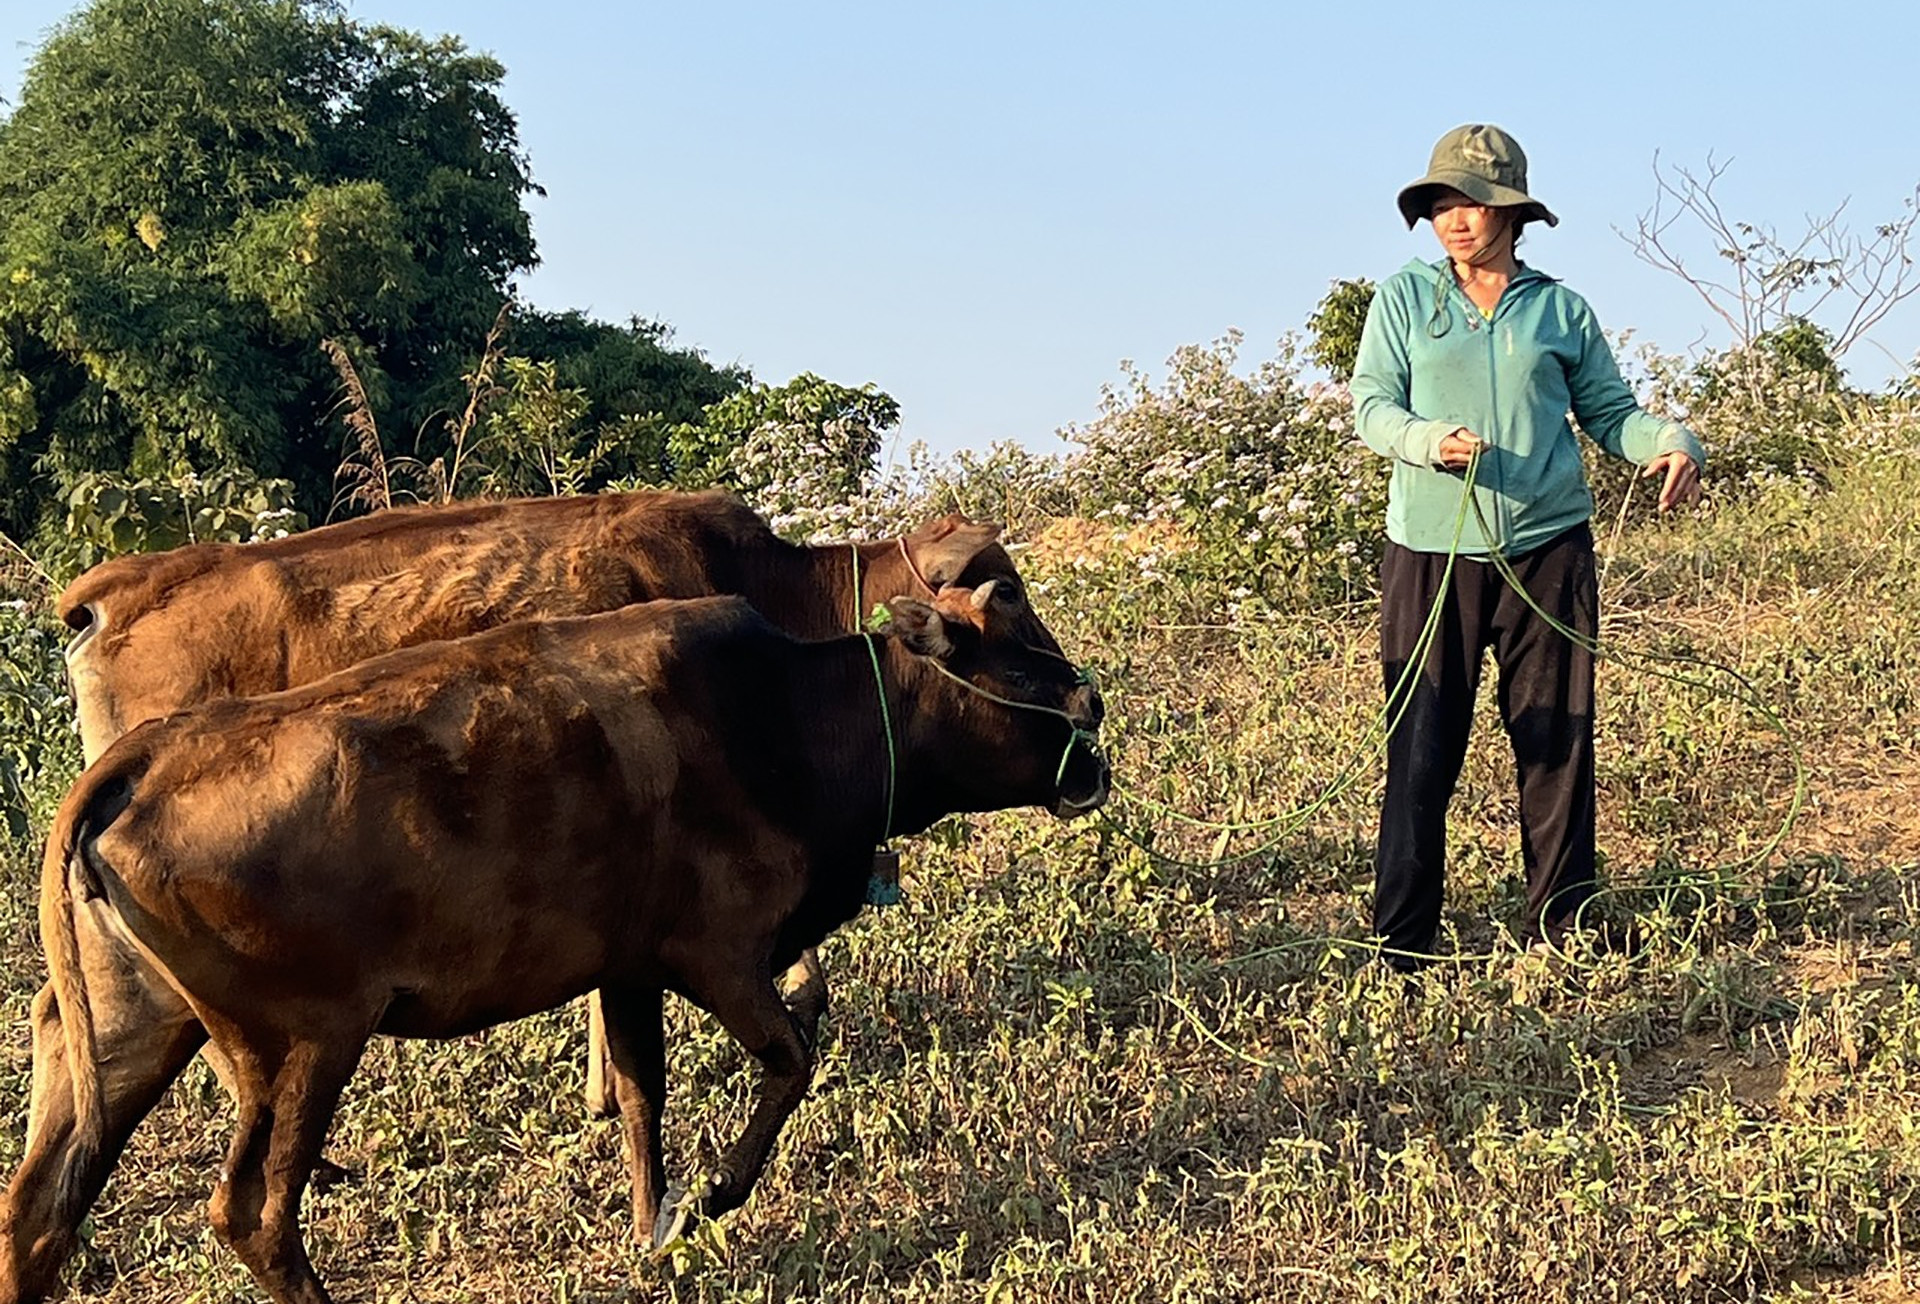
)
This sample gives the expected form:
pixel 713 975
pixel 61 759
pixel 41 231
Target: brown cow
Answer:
pixel 672 797
pixel 159 632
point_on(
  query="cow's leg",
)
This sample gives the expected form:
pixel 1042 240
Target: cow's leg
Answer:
pixel 602 1100
pixel 637 1049
pixel 804 988
pixel 325 1172
pixel 140 1052
pixel 140 999
pixel 749 1007
pixel 287 1099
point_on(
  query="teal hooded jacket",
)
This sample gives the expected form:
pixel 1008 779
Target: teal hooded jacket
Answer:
pixel 1430 363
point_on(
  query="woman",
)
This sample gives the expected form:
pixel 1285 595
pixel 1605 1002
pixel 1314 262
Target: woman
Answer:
pixel 1478 354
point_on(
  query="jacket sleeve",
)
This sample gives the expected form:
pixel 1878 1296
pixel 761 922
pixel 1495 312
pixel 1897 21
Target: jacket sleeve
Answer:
pixel 1607 410
pixel 1382 381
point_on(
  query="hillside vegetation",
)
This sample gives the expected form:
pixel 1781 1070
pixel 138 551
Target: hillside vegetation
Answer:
pixel 1138 1058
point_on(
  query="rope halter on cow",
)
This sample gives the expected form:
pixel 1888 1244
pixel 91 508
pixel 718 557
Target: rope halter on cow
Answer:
pixel 884 889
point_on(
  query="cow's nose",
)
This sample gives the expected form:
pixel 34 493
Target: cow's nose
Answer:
pixel 1085 708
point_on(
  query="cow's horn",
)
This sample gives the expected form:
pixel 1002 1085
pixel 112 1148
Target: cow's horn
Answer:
pixel 983 594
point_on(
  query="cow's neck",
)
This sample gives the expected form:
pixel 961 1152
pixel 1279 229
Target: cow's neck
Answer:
pixel 840 816
pixel 845 812
pixel 840 584
pixel 934 767
pixel 850 761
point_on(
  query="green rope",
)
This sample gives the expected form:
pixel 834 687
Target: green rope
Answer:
pixel 1381 729
pixel 1656 664
pixel 1079 735
pixel 1081 675
pixel 1372 743
pixel 880 892
pixel 886 725
pixel 880 690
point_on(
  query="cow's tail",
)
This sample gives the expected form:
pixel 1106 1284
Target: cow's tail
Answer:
pixel 64 868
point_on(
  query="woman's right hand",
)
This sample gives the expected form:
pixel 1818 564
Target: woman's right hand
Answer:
pixel 1458 448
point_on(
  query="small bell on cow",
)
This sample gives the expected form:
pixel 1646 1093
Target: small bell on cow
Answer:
pixel 883 885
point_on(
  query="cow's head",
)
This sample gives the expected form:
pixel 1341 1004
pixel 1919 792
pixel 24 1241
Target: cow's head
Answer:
pixel 961 553
pixel 1013 722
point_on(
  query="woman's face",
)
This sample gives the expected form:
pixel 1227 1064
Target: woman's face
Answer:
pixel 1466 229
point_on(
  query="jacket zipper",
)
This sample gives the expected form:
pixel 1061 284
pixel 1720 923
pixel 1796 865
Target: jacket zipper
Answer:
pixel 1502 526
pixel 1493 408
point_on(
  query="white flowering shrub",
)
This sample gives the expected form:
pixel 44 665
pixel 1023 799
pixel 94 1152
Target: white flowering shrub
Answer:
pixel 795 452
pixel 1215 494
pixel 1255 483
pixel 1777 413
pixel 1012 485
pixel 1008 484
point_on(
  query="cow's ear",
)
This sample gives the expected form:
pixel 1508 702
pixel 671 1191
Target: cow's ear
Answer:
pixel 920 629
pixel 943 549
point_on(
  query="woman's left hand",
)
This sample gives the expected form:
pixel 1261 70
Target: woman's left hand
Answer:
pixel 1683 479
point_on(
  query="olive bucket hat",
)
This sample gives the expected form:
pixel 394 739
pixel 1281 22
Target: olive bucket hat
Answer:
pixel 1483 163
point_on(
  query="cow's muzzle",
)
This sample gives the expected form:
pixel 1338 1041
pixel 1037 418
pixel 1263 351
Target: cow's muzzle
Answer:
pixel 1085 777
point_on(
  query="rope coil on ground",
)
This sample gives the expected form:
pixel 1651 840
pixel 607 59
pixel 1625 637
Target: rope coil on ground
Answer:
pixel 1381 728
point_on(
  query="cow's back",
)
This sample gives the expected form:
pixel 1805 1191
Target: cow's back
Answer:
pixel 494 759
pixel 160 632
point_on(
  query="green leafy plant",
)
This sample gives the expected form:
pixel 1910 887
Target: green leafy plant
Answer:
pixel 111 514
pixel 533 440
pixel 1335 327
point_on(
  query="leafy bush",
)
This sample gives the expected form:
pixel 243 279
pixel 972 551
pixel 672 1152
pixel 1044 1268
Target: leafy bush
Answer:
pixel 1775 412
pixel 109 514
pixel 1256 478
pixel 39 747
pixel 1336 325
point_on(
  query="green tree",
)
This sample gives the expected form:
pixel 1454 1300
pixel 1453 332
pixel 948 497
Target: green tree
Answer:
pixel 638 387
pixel 193 193
pixel 1336 326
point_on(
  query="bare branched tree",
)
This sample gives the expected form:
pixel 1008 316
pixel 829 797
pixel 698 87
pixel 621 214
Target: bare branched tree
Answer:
pixel 1853 281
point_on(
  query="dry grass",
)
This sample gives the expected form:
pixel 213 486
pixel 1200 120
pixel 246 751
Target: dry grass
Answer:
pixel 1070 1069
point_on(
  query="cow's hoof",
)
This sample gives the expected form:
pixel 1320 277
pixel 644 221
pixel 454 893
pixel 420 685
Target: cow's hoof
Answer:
pixel 680 1209
pixel 676 1212
pixel 326 1174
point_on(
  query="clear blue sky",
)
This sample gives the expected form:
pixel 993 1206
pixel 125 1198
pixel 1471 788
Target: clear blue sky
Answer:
pixel 984 207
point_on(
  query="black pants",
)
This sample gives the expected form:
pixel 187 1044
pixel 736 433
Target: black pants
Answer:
pixel 1546 704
